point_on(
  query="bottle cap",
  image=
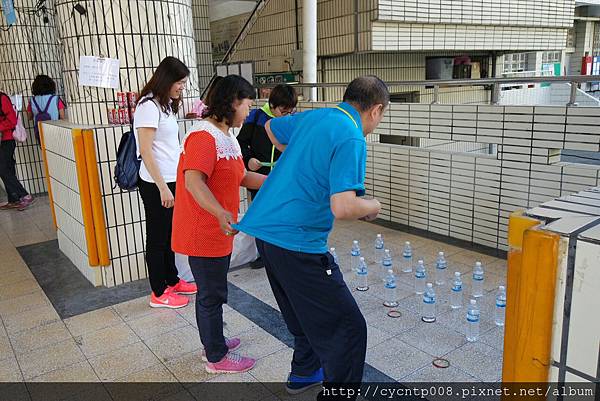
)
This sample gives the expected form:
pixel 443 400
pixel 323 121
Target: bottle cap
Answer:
pixel 390 271
pixel 362 259
pixel 441 254
pixel 355 242
pixel 501 288
pixel 473 302
pixel 407 243
pixel 378 235
pixel 331 250
pixel 429 285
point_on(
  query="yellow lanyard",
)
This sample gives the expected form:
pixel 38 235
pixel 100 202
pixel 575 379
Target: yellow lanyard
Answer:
pixel 272 157
pixel 348 114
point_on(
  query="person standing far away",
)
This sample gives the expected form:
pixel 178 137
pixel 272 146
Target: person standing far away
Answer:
pixel 18 197
pixel 44 104
pixel 157 138
pixel 319 177
pixel 210 173
pixel 260 154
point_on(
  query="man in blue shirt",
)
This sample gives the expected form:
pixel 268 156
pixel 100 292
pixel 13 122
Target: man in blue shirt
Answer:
pixel 319 177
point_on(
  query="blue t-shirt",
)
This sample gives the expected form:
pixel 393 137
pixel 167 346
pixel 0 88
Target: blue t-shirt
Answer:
pixel 326 154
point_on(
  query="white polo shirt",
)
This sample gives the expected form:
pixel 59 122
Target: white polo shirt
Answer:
pixel 165 146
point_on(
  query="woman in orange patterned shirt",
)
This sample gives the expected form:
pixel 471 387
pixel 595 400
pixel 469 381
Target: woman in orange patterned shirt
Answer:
pixel 210 173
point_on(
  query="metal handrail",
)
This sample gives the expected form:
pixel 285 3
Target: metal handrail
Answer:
pixel 456 82
pixel 495 83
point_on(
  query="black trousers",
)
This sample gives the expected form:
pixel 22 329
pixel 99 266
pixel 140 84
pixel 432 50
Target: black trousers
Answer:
pixel 210 275
pixel 160 258
pixel 320 312
pixel 8 171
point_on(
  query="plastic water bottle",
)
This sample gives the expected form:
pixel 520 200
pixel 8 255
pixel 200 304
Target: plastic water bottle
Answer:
pixel 473 321
pixel 379 245
pixel 391 295
pixel 386 264
pixel 478 280
pixel 361 275
pixel 407 258
pixel 428 315
pixel 440 269
pixel 355 255
pixel 456 293
pixel 500 306
pixel 420 278
pixel 335 258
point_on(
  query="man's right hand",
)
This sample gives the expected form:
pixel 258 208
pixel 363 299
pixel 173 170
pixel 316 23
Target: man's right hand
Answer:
pixel 376 209
pixel 254 164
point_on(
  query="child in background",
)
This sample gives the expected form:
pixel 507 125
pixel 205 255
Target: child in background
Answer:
pixel 44 104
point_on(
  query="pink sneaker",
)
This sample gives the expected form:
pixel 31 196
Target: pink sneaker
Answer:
pixel 25 202
pixel 231 343
pixel 184 288
pixel 168 300
pixel 231 363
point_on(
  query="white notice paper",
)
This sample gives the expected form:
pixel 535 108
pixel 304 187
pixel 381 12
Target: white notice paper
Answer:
pixel 99 71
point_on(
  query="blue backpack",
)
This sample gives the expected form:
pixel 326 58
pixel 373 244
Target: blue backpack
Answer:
pixel 128 164
pixel 42 115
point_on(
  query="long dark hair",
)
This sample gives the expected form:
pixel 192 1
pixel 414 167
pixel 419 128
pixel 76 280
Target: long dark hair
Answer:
pixel 224 93
pixel 169 71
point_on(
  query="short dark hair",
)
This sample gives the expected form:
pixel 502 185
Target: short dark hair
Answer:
pixel 225 92
pixel 43 85
pixel 367 91
pixel 169 71
pixel 283 96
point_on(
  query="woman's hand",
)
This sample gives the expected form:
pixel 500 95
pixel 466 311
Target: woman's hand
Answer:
pixel 254 164
pixel 225 221
pixel 166 197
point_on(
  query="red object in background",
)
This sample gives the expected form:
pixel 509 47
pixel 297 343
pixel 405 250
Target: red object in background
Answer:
pixel 115 116
pixel 586 65
pixel 124 116
pixel 111 119
pixel 121 99
pixel 131 113
pixel 132 98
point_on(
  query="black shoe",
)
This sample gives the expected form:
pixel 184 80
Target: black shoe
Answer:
pixel 257 264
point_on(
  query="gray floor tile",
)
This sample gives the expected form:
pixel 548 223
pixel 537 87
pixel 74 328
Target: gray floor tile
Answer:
pixel 479 360
pixel 397 359
pixel 432 338
pixel 175 343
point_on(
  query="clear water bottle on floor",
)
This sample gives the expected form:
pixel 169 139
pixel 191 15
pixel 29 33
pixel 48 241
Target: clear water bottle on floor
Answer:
pixel 334 254
pixel 379 245
pixel 456 293
pixel 391 294
pixel 386 264
pixel 361 275
pixel 477 280
pixel 440 269
pixel 407 258
pixel 355 255
pixel 500 306
pixel 428 315
pixel 472 321
pixel 420 278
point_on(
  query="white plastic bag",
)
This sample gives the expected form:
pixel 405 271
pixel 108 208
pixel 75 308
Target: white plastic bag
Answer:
pixel 244 250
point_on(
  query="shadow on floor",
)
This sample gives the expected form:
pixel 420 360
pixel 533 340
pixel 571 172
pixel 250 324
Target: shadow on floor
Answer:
pixel 69 291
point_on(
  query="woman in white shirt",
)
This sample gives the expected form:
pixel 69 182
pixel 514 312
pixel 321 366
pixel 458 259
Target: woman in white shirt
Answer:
pixel 157 135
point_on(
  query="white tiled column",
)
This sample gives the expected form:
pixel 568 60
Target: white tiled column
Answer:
pixel 138 33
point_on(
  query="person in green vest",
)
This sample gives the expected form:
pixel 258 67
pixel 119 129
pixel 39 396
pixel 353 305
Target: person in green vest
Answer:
pixel 259 153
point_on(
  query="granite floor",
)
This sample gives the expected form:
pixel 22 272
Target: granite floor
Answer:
pixel 130 342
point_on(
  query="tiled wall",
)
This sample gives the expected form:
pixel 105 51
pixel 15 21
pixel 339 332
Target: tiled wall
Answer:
pixel 554 13
pixel 398 36
pixel 470 196
pixel 27 49
pixel 66 199
pixel 139 33
pixel 202 30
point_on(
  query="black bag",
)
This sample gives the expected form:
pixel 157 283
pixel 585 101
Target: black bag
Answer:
pixel 128 164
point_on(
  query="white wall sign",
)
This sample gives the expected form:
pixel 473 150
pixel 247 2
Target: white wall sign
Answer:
pixel 99 71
